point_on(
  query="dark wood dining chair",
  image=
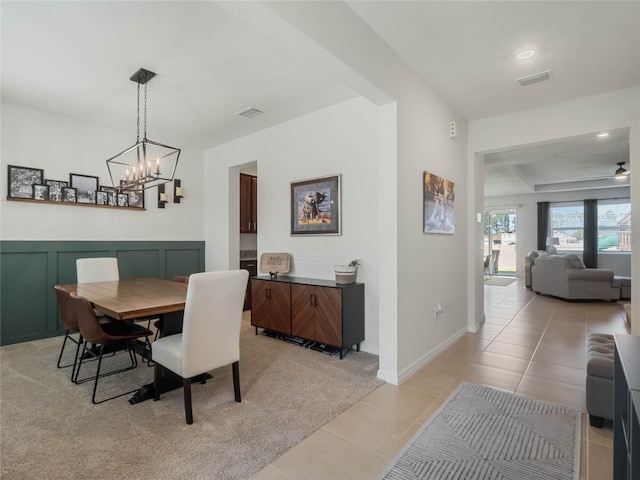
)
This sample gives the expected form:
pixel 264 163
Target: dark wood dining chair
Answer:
pixel 68 316
pixel 210 335
pixel 114 333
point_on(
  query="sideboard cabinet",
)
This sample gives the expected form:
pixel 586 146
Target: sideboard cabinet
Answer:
pixel 271 305
pixel 626 408
pixel 318 310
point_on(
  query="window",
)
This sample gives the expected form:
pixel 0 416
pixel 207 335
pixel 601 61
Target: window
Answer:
pixel 614 225
pixel 566 226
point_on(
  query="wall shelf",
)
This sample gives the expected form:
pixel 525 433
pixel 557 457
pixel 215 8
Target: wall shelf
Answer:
pixel 73 204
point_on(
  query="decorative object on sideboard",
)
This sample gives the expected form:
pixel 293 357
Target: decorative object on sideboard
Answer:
pixel 177 191
pixel 274 263
pixel 315 206
pixel 162 196
pixel 145 164
pixel 347 274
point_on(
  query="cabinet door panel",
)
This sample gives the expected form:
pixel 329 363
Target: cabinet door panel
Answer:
pixel 329 316
pixel 245 204
pixel 302 308
pixel 280 300
pixel 254 204
pixel 260 305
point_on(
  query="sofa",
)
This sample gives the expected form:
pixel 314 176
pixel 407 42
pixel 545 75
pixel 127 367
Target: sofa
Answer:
pixel 565 276
pixel 529 262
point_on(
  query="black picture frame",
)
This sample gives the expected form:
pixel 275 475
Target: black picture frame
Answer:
pixel 55 189
pixel 315 206
pixel 21 181
pixel 123 199
pixel 86 187
pixel 69 195
pixel 136 196
pixel 112 195
pixel 40 192
pixel 102 197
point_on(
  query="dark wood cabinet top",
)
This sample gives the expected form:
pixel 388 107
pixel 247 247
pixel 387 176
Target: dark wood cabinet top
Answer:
pixel 307 281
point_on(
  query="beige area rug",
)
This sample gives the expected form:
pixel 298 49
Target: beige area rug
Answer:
pixel 51 430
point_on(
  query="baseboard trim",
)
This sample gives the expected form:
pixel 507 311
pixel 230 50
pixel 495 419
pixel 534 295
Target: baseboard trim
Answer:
pixel 430 355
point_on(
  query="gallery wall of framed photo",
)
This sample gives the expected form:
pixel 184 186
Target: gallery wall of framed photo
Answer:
pixel 30 184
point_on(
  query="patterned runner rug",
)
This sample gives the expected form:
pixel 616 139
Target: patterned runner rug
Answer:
pixel 489 434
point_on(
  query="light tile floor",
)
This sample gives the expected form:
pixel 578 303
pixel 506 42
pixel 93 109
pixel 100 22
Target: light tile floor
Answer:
pixel 529 344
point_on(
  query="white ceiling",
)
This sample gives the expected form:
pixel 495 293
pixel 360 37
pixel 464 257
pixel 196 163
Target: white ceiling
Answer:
pixel 75 58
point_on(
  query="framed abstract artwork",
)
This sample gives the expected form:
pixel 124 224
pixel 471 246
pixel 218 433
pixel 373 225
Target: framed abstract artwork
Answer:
pixel 438 205
pixel 315 206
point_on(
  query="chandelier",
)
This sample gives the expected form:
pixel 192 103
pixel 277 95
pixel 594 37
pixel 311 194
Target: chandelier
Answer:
pixel 146 164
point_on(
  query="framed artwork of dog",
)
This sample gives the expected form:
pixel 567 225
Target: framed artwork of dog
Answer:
pixel 315 206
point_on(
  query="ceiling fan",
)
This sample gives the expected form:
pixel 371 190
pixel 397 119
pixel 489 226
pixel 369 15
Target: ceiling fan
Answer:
pixel 621 172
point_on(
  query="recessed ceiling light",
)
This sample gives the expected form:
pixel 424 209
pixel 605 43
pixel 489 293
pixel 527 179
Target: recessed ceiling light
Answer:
pixel 605 134
pixel 523 55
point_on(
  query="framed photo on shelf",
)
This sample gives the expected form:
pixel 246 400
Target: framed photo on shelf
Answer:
pixel 112 195
pixel 136 197
pixel 55 189
pixel 21 181
pixel 315 206
pixel 102 198
pixel 86 186
pixel 69 195
pixel 40 192
pixel 123 199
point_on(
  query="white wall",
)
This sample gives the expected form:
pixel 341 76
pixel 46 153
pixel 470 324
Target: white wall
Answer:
pixel 342 139
pixel 61 146
pixel 527 223
pixel 432 268
pixel 618 109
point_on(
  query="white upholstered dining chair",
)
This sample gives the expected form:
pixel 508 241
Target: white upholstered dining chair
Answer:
pixel 103 269
pixel 210 335
pixel 99 269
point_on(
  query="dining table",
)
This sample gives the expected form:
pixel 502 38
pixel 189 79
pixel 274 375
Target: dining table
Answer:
pixel 141 298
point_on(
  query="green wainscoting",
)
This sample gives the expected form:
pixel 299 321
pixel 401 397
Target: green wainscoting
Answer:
pixel 28 271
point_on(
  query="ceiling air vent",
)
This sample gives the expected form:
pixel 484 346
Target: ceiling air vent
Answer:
pixel 535 78
pixel 250 112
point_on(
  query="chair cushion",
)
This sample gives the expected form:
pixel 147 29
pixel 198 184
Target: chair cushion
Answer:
pixel 167 351
pixel 124 330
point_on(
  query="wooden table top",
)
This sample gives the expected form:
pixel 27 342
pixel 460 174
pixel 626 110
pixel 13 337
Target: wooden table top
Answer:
pixel 133 298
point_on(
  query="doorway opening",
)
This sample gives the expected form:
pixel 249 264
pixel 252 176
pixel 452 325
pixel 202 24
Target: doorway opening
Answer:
pixel 500 241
